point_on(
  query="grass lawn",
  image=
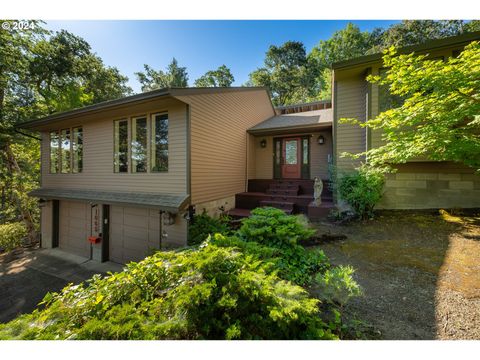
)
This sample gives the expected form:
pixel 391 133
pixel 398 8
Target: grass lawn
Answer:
pixel 420 273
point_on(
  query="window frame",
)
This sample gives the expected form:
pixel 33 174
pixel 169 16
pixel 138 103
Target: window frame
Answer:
pixel 151 141
pixel 149 116
pixel 59 131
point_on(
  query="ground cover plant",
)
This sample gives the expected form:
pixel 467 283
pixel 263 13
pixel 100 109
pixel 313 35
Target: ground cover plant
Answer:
pixel 241 285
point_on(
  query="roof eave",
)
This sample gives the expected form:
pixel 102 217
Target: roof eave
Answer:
pixel 432 44
pixel 287 128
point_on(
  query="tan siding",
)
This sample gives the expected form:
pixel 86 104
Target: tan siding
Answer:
pixel 252 163
pixel 74 227
pixel 264 158
pixel 319 155
pixel 219 140
pixel 350 104
pixel 98 155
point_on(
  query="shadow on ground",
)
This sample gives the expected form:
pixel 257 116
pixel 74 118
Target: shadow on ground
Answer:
pixel 26 276
pixel 420 273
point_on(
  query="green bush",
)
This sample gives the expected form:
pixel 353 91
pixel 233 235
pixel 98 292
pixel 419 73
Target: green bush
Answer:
pixel 272 227
pixel 11 235
pixel 206 293
pixel 337 286
pixel 271 235
pixel 204 225
pixel 362 190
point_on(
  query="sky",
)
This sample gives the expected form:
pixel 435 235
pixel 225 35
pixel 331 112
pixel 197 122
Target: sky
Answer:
pixel 199 45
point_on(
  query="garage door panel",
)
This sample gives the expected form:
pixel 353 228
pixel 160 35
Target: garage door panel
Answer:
pixel 135 220
pixel 131 233
pixel 73 227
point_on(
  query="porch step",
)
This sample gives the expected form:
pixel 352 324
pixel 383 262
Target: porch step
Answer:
pixel 283 205
pixel 237 213
pixel 282 191
pixel 284 186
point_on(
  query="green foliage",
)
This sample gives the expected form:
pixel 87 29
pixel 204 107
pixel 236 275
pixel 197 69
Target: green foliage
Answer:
pixel 174 76
pixel 11 235
pixel 439 118
pixel 272 236
pixel 272 227
pixel 222 77
pixel 204 225
pixel 337 286
pixel 207 293
pixel 362 190
pixel 286 73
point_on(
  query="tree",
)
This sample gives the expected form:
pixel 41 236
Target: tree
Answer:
pixel 175 76
pixel 286 73
pixel 344 44
pixel 439 119
pixel 222 77
pixel 41 73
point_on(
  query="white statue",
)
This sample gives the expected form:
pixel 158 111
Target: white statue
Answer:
pixel 317 191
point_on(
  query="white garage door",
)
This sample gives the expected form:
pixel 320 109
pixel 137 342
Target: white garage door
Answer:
pixel 134 232
pixel 74 227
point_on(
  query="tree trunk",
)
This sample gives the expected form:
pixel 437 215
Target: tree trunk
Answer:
pixel 27 217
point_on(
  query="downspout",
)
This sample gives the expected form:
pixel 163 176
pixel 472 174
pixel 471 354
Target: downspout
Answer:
pixel 368 115
pixel 334 132
pixel 189 166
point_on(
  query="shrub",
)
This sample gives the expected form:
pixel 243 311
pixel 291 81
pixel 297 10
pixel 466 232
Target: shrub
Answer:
pixel 204 225
pixel 11 235
pixel 206 293
pixel 336 285
pixel 271 235
pixel 272 227
pixel 362 190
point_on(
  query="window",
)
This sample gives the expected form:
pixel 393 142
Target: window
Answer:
pixel 66 151
pixel 120 153
pixel 305 151
pixel 143 141
pixel 139 144
pixel 54 152
pixel 77 150
pixel 159 143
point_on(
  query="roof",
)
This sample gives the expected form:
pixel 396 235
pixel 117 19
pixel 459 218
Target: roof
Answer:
pixel 166 202
pixel 428 45
pixel 105 105
pixel 307 119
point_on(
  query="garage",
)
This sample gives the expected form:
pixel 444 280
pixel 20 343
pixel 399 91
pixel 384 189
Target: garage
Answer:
pixel 74 227
pixel 134 233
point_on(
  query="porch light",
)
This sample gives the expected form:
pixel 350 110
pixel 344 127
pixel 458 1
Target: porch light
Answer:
pixel 321 140
pixel 263 143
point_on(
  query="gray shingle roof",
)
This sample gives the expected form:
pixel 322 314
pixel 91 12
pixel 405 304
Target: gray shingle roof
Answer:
pixel 166 202
pixel 297 120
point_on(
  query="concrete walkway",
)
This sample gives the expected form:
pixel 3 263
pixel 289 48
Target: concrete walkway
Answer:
pixel 27 275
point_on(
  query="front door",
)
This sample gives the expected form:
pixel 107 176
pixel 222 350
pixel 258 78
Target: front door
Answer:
pixel 291 165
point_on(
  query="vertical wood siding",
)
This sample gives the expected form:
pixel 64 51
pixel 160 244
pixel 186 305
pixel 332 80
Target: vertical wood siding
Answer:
pixel 351 103
pixel 219 140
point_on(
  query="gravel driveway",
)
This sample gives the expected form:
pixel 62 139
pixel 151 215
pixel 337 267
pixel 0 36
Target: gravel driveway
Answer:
pixel 420 273
pixel 27 275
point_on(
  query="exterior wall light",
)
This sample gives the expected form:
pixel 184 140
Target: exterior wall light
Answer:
pixel 321 140
pixel 263 143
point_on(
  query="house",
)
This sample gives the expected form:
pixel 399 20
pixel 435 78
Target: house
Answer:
pixel 122 177
pixel 419 184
